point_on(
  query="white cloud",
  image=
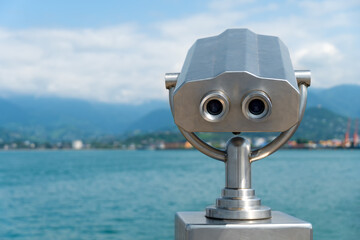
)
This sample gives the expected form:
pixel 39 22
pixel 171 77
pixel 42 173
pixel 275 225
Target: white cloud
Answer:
pixel 115 64
pixel 126 63
pixel 319 51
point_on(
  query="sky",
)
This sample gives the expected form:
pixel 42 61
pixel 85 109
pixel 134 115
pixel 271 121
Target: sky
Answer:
pixel 119 51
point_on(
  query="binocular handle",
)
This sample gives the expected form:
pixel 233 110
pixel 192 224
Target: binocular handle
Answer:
pixel 260 153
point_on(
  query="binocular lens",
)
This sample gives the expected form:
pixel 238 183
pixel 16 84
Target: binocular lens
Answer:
pixel 214 107
pixel 256 106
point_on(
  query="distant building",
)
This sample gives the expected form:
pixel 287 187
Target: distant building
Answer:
pixel 187 145
pixel 331 143
pixel 310 145
pixel 132 147
pixel 292 143
pixel 174 145
pixel 77 144
pixel 161 145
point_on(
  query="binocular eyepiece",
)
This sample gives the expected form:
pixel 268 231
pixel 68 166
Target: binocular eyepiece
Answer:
pixel 256 106
pixel 214 106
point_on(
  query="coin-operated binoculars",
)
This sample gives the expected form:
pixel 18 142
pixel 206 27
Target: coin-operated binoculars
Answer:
pixel 236 82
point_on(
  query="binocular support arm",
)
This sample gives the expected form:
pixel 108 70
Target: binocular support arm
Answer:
pixel 203 147
pixel 194 140
pixel 284 136
pixel 303 78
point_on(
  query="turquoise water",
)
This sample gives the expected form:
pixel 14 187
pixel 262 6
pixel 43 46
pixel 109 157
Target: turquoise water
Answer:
pixel 135 194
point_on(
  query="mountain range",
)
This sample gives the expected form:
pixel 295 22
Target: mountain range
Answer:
pixel 63 119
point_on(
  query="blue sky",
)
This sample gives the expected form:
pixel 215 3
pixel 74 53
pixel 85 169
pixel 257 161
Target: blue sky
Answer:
pixel 118 51
pixel 81 13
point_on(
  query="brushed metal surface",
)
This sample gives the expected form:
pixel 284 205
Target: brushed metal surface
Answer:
pixel 195 226
pixel 237 165
pixel 303 77
pixel 171 80
pixel 237 62
pixel 238 50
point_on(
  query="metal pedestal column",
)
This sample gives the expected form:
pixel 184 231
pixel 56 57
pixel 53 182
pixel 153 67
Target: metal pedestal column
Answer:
pixel 238 200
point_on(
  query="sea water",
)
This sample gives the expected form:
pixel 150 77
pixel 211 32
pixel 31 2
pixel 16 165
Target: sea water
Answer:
pixel 135 194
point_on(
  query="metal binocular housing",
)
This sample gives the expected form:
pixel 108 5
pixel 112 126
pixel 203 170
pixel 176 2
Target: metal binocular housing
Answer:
pixel 237 81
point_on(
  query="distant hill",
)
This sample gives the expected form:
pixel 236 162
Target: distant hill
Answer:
pixel 157 120
pixel 57 119
pixel 11 113
pixel 342 99
pixel 320 123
